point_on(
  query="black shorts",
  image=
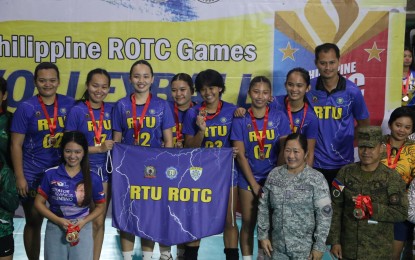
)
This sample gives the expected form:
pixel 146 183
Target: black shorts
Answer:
pixel 6 245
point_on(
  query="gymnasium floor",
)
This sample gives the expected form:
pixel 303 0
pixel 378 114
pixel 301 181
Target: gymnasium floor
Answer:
pixel 211 247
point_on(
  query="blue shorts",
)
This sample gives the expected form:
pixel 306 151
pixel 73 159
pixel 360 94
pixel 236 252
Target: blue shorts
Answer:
pixel 244 185
pixel 403 230
pixel 32 186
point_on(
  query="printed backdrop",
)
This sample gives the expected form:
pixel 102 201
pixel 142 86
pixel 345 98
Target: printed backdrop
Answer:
pixel 241 39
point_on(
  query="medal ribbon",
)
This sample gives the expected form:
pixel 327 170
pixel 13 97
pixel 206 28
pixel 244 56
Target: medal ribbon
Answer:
pixel 137 127
pixel 179 135
pixel 290 116
pixel 405 87
pixel 362 203
pixel 97 132
pixel 72 234
pixel 260 139
pixel 52 125
pixel 209 117
pixel 389 155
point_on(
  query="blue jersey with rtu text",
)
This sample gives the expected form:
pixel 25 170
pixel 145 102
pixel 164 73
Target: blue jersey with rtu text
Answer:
pixel 80 120
pixel 157 118
pixel 310 126
pixel 29 119
pixel 218 129
pixel 337 113
pixel 65 194
pixel 243 130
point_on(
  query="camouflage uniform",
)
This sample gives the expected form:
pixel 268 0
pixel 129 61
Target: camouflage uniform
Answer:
pixel 9 200
pixel 367 239
pixel 300 208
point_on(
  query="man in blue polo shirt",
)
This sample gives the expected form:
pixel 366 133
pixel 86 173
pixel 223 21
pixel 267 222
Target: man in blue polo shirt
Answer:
pixel 337 103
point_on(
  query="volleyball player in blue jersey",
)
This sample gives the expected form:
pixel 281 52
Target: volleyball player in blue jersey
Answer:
pixel 182 90
pixel 295 105
pixel 145 120
pixel 37 129
pixel 258 136
pixel 92 117
pixel 209 125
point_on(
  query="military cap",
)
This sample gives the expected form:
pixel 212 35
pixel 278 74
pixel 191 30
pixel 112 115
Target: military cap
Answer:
pixel 369 136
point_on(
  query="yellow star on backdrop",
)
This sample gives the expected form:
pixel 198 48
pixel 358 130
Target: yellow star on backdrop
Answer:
pixel 374 53
pixel 288 52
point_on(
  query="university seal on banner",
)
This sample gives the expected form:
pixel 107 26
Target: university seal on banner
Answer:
pixel 150 172
pixel 171 173
pixel 196 172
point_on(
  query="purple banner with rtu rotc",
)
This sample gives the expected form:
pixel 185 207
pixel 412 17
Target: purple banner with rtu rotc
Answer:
pixel 169 195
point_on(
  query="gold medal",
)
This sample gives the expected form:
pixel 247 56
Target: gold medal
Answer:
pixel 96 144
pixel 203 112
pixel 52 140
pixel 261 155
pixel 179 144
pixel 405 98
pixel 72 236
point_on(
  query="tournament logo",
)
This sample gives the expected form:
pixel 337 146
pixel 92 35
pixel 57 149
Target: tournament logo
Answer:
pixel 223 119
pixel 150 172
pixel 171 173
pixel 152 111
pixel 196 172
pixel 340 100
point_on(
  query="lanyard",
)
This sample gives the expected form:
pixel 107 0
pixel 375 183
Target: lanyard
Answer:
pixel 260 139
pixel 52 124
pixel 179 135
pixel 389 153
pixel 290 116
pixel 204 113
pixel 97 132
pixel 405 88
pixel 137 127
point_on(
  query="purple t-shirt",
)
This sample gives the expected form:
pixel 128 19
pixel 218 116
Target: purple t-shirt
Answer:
pixel 309 127
pixel 218 129
pixel 29 119
pixel 65 193
pixel 336 113
pixel 79 119
pixel 157 118
pixel 243 130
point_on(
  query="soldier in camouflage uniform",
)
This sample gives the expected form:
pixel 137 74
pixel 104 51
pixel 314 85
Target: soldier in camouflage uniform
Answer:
pixel 297 199
pixel 9 200
pixel 365 230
